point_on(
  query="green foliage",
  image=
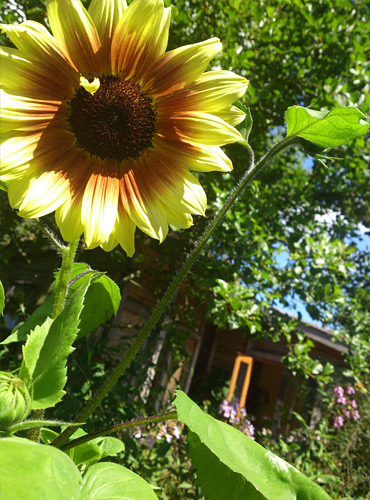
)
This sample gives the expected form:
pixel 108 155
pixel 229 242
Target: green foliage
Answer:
pixel 47 472
pixel 334 457
pixel 31 471
pixel 100 303
pixel 231 465
pixel 47 349
pixel 104 481
pixel 295 54
pixel 326 128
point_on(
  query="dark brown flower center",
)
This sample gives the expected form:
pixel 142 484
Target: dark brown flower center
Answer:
pixel 117 122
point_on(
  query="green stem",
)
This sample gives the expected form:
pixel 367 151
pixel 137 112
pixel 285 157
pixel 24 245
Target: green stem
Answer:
pixel 59 246
pixel 172 415
pixel 161 306
pixel 68 255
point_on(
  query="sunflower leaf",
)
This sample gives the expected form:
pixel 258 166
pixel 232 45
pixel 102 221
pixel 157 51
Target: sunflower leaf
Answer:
pixel 47 349
pixel 327 129
pixel 45 471
pixel 110 480
pixel 101 303
pixel 231 465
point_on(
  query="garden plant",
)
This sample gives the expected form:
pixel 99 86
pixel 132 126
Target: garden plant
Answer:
pixel 106 128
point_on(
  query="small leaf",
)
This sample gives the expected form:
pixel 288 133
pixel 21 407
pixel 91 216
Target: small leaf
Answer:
pixel 246 126
pixel 86 453
pixel 2 299
pixel 108 480
pixel 327 129
pixel 32 471
pixel 110 446
pixel 231 465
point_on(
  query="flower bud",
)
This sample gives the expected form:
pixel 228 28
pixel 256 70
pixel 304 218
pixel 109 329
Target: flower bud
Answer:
pixel 15 400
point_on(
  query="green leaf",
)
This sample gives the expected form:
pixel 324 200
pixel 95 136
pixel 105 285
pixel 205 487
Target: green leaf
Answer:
pixel 246 126
pixel 2 299
pixel 110 446
pixel 231 465
pixel 32 471
pixel 86 453
pixel 47 349
pixel 108 480
pixel 20 332
pixel 326 128
pixel 101 303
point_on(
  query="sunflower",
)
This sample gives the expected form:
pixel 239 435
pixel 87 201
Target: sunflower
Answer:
pixel 103 126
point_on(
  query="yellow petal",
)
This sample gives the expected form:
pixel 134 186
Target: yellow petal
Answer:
pixel 22 113
pixel 178 188
pixel 25 154
pixel 75 31
pixel 140 37
pixel 68 219
pixel 99 208
pixel 197 158
pixel 91 87
pixel 34 41
pixel 177 68
pixel 111 243
pixel 38 195
pixel 198 128
pixel 233 115
pixel 124 231
pixel 212 91
pixel 177 218
pixel 143 210
pixel 106 14
pixel 21 76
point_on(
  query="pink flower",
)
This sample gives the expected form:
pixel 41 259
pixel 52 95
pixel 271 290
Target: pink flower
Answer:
pixel 338 391
pixel 356 415
pixel 341 400
pixel 350 390
pixel 354 404
pixel 338 422
pixel 347 413
pixel 176 432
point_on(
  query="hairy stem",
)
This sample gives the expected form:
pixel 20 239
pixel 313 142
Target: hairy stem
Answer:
pixel 252 170
pixel 172 415
pixel 68 255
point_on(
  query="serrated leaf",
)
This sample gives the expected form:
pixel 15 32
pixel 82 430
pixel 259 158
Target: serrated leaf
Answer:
pixel 326 128
pixel 47 349
pixel 101 303
pixel 2 299
pixel 231 465
pixel 32 471
pixel 108 480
